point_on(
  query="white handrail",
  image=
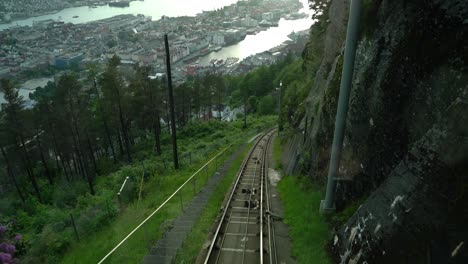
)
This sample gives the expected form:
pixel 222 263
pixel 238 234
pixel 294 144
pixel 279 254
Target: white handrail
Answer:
pixel 162 205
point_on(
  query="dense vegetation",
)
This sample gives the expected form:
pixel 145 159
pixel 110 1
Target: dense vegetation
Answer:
pixel 67 151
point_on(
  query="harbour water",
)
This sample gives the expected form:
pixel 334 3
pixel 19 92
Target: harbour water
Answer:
pixel 153 8
pixel 260 42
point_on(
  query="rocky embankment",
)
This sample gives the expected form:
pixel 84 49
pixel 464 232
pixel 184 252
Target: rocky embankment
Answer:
pixel 406 145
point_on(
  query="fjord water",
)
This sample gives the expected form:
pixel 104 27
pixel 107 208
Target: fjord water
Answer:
pixel 153 8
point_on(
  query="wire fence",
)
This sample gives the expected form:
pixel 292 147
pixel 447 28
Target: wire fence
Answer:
pixel 157 222
pixel 150 184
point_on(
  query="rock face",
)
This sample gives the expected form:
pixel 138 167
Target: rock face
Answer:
pixel 406 138
pixel 419 208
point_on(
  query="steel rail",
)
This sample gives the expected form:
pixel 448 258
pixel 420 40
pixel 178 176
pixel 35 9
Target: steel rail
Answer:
pixel 240 173
pixel 219 235
pixel 271 230
pixel 262 176
pixel 248 211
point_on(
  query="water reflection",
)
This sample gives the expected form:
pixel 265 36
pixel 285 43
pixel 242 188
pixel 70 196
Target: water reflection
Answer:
pixel 261 42
pixel 153 8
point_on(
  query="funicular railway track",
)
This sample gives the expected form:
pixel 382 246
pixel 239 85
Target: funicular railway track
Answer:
pixel 243 233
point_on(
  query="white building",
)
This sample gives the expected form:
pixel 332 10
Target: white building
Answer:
pixel 218 39
pixel 249 22
pixel 197 44
pixel 268 16
pixel 179 53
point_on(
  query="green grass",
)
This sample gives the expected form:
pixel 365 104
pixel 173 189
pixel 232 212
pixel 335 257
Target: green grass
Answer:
pixel 98 242
pixel 277 153
pixel 132 251
pixel 100 222
pixel 194 241
pixel 307 228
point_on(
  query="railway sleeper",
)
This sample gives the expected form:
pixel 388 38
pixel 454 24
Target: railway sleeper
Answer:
pixel 249 191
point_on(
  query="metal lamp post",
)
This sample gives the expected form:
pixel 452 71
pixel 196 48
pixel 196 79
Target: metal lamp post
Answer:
pixel 279 105
pixel 211 106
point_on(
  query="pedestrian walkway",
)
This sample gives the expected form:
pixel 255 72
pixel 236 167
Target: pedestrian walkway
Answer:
pixel 165 250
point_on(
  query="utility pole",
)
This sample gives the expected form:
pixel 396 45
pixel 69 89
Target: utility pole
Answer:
pixel 245 111
pixel 171 102
pixel 280 127
pixel 328 205
pixel 219 105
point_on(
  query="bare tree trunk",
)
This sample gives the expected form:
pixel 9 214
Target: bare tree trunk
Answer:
pixel 75 166
pixel 104 121
pixel 83 160
pixel 157 132
pixel 119 139
pixel 12 175
pixel 32 177
pixel 69 166
pixel 44 161
pixel 183 108
pixel 156 125
pixel 124 133
pixel 219 105
pixel 58 155
pixel 210 110
pixel 91 153
pixel 190 111
pixel 245 112
pixel 65 171
pixel 78 155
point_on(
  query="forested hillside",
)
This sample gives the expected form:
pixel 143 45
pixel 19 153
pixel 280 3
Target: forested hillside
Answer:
pixel 68 147
pixel 401 190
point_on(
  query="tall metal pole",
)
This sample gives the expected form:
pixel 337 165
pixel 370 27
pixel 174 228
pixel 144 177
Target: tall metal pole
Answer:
pixel 280 127
pixel 171 102
pixel 219 106
pixel 245 111
pixel 328 204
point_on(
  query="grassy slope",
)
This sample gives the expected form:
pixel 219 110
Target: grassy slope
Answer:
pixel 193 244
pixel 307 228
pixel 93 247
pixel 101 242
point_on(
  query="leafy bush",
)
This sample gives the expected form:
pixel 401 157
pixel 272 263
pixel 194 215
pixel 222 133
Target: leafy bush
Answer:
pixel 11 243
pixel 266 105
pixel 48 227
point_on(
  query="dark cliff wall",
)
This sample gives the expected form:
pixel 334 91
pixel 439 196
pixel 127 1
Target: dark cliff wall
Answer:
pixel 406 132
